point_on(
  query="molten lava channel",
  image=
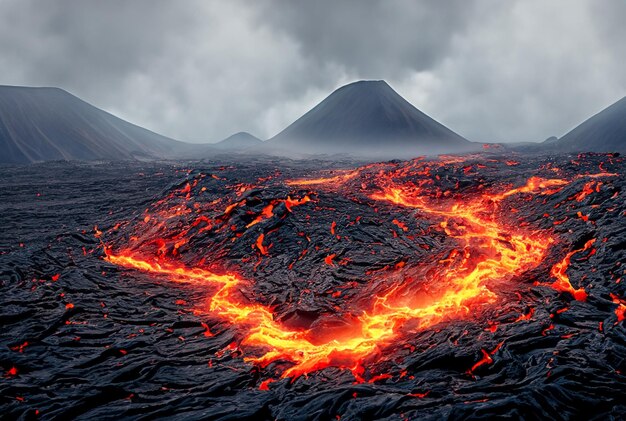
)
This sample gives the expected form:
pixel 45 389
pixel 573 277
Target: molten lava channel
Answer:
pixel 488 251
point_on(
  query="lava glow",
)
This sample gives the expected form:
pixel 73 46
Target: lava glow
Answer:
pixel 562 282
pixel 340 178
pixel 488 252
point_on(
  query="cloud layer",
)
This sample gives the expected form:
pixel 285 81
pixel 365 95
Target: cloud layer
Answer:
pixel 201 70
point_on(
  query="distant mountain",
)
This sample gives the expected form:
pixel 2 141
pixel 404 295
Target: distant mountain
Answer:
pixel 238 142
pixel 604 132
pixel 367 118
pixel 42 124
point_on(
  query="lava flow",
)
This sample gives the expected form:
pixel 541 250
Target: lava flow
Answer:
pixel 487 251
pixel 490 284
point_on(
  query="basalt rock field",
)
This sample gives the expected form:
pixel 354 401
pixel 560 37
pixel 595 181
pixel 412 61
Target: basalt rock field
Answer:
pixel 458 287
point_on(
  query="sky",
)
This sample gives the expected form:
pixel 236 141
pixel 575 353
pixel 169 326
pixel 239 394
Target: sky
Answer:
pixel 198 71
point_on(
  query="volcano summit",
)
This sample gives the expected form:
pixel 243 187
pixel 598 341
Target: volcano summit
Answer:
pixel 367 119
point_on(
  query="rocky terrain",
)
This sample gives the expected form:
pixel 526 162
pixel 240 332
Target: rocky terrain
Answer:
pixel 456 287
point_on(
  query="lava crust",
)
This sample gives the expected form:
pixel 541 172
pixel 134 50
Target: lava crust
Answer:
pixel 462 287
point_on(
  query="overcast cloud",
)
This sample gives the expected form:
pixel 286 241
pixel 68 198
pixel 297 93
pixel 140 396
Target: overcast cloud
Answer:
pixel 199 71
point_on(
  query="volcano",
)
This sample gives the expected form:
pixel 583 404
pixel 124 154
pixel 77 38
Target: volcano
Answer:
pixel 44 124
pixel 238 142
pixel 604 132
pixel 367 118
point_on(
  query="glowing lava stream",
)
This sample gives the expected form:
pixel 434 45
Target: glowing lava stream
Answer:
pixel 489 253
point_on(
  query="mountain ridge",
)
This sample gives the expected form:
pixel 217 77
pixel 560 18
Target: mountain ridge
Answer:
pixel 604 131
pixel 237 142
pixel 368 117
pixel 47 123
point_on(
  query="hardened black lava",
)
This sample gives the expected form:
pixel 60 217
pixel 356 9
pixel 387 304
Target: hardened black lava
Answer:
pixel 83 338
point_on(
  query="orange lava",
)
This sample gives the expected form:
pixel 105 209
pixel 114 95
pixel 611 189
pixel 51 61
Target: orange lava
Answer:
pixel 488 252
pixel 342 177
pixel 222 302
pixel 620 311
pixel 260 246
pixel 562 283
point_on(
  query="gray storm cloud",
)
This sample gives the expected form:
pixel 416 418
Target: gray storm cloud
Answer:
pixel 201 70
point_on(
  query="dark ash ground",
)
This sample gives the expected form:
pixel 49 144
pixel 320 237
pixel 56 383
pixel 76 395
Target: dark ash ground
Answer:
pixel 130 346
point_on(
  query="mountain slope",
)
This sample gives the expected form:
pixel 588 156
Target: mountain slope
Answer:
pixel 42 124
pixel 604 132
pixel 237 142
pixel 367 118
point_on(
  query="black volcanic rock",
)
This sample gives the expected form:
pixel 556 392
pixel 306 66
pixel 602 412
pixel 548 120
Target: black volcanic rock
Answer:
pixel 43 124
pixel 604 132
pixel 367 118
pixel 238 142
pixel 81 338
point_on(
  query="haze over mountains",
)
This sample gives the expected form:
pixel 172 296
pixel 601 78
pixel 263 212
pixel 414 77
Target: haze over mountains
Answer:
pixel 365 119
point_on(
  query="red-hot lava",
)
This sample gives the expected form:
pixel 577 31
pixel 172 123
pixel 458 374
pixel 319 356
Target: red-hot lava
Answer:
pixel 489 251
